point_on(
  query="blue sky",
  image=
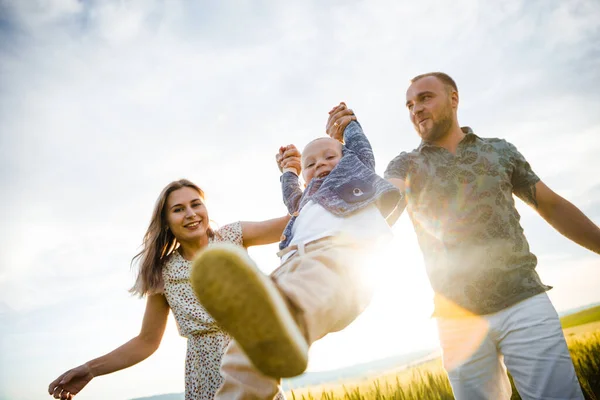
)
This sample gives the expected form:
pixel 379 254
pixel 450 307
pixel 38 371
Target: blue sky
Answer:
pixel 102 103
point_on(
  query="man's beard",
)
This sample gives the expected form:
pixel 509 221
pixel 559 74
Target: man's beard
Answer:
pixel 439 129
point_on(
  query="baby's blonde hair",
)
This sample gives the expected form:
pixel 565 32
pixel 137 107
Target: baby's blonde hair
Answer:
pixel 319 138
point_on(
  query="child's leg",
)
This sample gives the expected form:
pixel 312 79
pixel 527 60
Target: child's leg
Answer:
pixel 243 381
pixel 324 282
pixel 247 304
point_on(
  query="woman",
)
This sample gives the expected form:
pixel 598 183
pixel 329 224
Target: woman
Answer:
pixel 178 230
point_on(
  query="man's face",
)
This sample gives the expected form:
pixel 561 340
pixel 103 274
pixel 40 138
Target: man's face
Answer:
pixel 320 157
pixel 430 106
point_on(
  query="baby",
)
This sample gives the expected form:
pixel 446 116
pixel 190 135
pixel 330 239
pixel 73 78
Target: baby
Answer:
pixel 318 288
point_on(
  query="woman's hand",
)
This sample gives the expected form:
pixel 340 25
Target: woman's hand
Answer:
pixel 70 383
pixel 289 157
pixel 137 349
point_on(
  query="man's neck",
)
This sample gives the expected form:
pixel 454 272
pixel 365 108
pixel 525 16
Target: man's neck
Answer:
pixel 451 140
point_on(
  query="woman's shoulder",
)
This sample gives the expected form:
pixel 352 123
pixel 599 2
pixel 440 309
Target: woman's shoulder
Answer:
pixel 172 261
pixel 229 233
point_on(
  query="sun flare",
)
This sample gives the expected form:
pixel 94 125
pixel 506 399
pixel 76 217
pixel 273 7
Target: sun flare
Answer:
pixel 397 320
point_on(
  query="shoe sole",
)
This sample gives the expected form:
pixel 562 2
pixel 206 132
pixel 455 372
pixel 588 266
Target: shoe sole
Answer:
pixel 246 304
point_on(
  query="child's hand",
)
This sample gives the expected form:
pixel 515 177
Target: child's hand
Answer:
pixel 289 157
pixel 339 118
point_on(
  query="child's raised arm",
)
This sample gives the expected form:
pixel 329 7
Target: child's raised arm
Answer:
pixel 343 126
pixel 289 162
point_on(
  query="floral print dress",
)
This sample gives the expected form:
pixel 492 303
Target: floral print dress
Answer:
pixel 206 341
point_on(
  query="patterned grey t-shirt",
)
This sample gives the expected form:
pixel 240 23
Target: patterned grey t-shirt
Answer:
pixel 464 214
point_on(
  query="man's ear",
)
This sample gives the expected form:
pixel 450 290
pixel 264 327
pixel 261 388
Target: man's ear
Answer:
pixel 454 99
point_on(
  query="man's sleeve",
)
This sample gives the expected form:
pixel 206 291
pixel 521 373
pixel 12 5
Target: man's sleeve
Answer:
pixel 523 178
pixel 398 167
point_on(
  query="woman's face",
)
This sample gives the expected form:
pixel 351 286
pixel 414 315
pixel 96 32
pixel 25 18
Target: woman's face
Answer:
pixel 186 214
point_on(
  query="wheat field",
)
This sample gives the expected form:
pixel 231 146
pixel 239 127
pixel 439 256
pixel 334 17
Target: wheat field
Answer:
pixel 428 381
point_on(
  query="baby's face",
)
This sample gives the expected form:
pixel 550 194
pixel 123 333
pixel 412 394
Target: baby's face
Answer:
pixel 320 157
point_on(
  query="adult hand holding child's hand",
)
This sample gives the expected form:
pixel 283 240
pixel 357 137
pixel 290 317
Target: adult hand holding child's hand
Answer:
pixel 289 158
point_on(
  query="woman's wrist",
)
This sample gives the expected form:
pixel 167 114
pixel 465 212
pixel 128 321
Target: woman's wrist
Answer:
pixel 92 368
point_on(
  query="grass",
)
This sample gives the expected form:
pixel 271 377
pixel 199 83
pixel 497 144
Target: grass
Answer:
pixel 585 352
pixel 580 318
pixel 429 381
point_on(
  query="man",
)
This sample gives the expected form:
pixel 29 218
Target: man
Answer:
pixel 491 306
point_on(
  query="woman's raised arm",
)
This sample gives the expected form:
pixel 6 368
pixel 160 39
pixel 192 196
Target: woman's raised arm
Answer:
pixel 263 232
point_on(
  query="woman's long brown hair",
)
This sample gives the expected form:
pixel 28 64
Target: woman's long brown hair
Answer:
pixel 159 242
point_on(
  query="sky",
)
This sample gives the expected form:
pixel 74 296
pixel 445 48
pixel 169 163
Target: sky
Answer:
pixel 103 103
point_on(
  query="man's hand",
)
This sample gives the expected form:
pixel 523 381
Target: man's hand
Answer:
pixel 339 118
pixel 289 157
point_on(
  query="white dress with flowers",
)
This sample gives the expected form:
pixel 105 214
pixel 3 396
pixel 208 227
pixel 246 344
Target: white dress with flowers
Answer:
pixel 206 341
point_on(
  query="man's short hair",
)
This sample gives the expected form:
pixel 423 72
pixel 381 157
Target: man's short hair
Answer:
pixel 445 78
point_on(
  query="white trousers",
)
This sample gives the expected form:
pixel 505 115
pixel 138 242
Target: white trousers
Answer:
pixel 526 338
